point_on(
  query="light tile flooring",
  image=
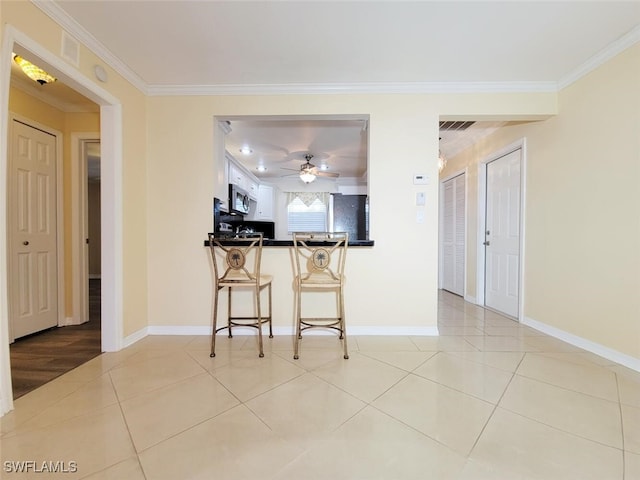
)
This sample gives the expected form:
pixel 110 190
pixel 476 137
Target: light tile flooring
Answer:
pixel 488 399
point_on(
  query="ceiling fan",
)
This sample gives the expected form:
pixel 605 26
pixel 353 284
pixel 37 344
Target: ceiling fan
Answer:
pixel 308 171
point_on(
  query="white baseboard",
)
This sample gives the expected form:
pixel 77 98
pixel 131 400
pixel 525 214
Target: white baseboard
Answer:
pixel 135 337
pixel 178 330
pixel 593 347
pixel 206 330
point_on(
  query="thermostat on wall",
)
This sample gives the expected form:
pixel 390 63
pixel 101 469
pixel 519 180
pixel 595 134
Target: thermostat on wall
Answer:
pixel 420 179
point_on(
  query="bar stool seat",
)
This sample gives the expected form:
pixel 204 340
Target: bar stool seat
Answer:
pixel 236 264
pixel 319 267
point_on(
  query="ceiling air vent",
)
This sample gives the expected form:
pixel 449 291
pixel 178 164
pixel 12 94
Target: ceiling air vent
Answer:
pixel 459 126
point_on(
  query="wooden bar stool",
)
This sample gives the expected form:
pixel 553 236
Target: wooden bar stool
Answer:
pixel 319 267
pixel 236 265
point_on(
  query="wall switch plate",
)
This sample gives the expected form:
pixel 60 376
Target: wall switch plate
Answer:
pixel 420 216
pixel 421 199
pixel 420 179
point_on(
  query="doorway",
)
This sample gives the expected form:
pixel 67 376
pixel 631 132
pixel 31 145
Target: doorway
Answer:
pixel 500 255
pixel 111 127
pixel 85 222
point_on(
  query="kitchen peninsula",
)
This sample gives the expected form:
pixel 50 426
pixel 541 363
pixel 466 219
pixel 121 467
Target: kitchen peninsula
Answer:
pixel 289 243
pixel 278 261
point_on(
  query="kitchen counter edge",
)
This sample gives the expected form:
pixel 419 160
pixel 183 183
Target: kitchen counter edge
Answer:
pixel 289 243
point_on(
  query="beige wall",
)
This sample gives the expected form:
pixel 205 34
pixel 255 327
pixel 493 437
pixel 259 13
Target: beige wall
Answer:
pixel 582 218
pixel 181 189
pixel 393 284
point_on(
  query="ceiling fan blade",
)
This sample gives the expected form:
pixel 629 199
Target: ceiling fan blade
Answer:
pixel 327 174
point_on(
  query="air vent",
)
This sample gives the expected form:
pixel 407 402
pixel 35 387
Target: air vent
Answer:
pixel 70 49
pixel 457 126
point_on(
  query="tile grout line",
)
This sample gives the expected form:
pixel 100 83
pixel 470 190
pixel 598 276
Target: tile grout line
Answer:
pixel 495 407
pixel 542 354
pixel 573 434
pixel 624 462
pixel 124 419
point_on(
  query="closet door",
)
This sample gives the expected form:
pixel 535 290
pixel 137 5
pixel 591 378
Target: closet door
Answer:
pixel 453 235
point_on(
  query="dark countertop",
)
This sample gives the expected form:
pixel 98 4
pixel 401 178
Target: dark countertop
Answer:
pixel 289 243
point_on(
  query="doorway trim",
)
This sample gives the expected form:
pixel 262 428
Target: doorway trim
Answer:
pixel 59 208
pixel 111 195
pixel 79 199
pixel 520 144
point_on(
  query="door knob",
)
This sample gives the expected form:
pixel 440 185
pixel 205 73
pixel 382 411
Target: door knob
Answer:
pixel 487 243
pixel 25 242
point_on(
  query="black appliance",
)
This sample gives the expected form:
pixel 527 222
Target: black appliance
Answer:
pixel 239 202
pixel 351 214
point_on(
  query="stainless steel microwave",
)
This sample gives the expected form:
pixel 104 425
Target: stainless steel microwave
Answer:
pixel 238 200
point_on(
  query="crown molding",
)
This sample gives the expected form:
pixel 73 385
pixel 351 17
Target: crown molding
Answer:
pixel 606 54
pixel 355 88
pixel 58 15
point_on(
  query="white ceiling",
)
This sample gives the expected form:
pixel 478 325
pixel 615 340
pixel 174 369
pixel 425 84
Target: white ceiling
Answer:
pixel 227 43
pixel 226 47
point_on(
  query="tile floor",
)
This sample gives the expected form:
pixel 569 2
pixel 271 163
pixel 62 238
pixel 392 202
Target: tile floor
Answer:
pixel 488 399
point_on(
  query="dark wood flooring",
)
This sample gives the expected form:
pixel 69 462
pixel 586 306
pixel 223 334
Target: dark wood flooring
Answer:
pixel 39 358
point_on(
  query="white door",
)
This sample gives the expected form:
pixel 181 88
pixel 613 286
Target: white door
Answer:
pixel 502 235
pixel 453 235
pixel 32 230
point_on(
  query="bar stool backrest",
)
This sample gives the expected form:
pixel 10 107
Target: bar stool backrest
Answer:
pixel 320 257
pixel 236 258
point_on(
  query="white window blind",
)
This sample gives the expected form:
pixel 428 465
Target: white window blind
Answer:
pixel 307 212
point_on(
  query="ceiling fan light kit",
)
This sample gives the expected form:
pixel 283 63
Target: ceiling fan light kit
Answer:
pixel 309 172
pixel 307 177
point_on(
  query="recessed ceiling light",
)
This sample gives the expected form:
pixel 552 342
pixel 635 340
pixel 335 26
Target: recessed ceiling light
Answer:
pixel 324 166
pixel 246 150
pixel 261 168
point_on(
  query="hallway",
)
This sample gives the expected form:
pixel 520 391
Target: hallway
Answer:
pixel 39 358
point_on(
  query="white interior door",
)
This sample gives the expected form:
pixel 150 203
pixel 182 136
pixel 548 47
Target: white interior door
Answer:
pixel 453 235
pixel 502 235
pixel 32 230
